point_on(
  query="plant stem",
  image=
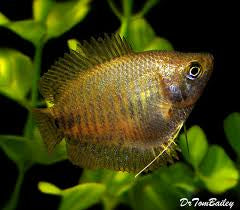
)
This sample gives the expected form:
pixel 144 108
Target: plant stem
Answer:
pixel 109 203
pixel 127 7
pixel 115 9
pixel 12 203
pixel 149 4
pixel 12 137
pixel 34 99
pixel 37 68
pixel 127 10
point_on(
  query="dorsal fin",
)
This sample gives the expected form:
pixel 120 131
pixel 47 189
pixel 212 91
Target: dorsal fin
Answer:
pixel 87 55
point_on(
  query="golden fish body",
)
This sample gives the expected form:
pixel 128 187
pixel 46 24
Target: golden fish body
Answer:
pixel 119 109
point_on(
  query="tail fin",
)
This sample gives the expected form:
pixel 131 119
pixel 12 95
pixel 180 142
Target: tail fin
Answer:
pixel 49 131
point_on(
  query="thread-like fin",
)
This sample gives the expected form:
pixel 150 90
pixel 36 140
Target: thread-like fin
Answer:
pixel 87 55
pixel 48 129
pixel 165 149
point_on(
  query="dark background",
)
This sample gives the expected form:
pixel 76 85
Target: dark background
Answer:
pixel 191 26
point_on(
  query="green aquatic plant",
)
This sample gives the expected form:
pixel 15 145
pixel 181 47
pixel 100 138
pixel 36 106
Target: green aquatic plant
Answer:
pixel 205 167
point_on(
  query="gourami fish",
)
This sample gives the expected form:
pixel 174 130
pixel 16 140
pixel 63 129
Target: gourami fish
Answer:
pixel 120 109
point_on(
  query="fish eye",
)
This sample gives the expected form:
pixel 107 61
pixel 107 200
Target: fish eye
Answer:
pixel 194 71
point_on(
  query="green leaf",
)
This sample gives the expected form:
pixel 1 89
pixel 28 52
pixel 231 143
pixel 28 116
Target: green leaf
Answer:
pixel 78 197
pixel 119 183
pixel 140 34
pixel 49 188
pixel 40 153
pixel 164 188
pixel 159 43
pixel 99 175
pixel 217 170
pixel 82 196
pixel 116 182
pixel 64 15
pixel 15 74
pixel 41 9
pixel 25 152
pixel 18 150
pixel 28 29
pixel 142 37
pixel 197 143
pixel 178 176
pixel 72 44
pixel 232 131
pixel 3 19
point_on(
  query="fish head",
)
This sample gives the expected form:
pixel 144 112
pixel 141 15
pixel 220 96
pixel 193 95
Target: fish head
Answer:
pixel 186 76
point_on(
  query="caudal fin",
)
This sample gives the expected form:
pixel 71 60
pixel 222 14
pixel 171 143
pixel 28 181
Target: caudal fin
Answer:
pixel 49 131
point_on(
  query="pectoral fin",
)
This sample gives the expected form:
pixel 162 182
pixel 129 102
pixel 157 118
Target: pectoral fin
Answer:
pixel 165 109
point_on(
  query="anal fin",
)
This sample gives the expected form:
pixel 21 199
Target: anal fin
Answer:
pixel 119 158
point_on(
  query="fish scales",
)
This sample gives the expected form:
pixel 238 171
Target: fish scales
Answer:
pixel 113 118
pixel 111 99
pixel 119 109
